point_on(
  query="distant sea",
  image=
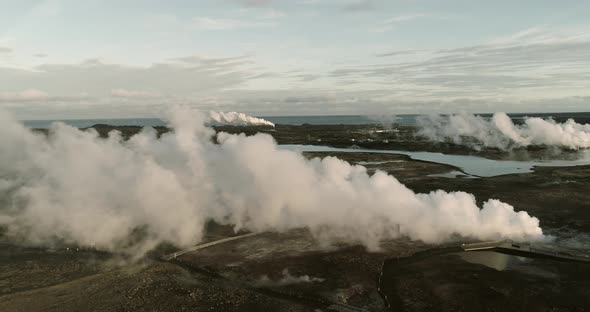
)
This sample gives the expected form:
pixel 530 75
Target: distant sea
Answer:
pixel 404 120
pixel 282 120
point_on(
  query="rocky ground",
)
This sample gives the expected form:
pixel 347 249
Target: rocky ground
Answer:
pixel 291 272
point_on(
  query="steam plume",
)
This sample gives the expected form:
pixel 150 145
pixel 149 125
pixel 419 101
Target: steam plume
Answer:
pixel 387 121
pixel 288 279
pixel 501 132
pixel 75 187
pixel 239 119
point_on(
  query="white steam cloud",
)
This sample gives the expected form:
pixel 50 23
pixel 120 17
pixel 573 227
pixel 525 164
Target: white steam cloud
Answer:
pixel 386 121
pixel 288 279
pixel 238 119
pixel 75 187
pixel 501 132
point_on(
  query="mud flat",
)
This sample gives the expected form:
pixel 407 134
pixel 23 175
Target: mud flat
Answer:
pixel 291 272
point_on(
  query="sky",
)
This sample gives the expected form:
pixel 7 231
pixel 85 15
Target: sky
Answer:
pixel 132 58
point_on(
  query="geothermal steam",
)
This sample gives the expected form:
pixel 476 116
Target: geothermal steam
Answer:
pixel 239 119
pixel 501 132
pixel 75 187
pixel 288 279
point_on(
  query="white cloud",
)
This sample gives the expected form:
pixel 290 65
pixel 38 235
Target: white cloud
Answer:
pixel 46 8
pixel 359 6
pixel 273 14
pixel 529 65
pixel 141 94
pixel 394 22
pixel 405 18
pixel 210 23
pixel 539 69
pixel 32 98
pixel 544 35
pixel 254 3
pixel 23 96
pixel 97 78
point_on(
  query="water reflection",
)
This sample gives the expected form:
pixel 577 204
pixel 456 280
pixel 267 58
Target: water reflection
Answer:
pixel 472 165
pixel 452 174
pixel 494 260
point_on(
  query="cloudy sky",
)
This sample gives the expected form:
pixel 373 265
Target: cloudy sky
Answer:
pixel 132 58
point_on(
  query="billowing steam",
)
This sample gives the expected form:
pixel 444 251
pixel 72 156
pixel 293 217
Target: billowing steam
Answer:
pixel 501 132
pixel 238 119
pixel 288 279
pixel 75 187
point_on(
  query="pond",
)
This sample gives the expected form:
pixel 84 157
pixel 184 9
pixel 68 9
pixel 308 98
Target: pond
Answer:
pixel 471 165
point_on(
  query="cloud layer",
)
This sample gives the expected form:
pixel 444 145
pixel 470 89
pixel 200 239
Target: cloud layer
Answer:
pixel 281 57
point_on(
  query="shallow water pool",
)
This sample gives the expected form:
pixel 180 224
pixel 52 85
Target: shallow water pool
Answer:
pixel 471 165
